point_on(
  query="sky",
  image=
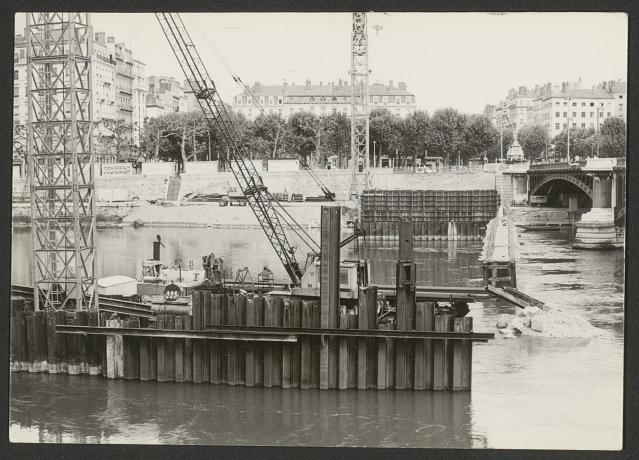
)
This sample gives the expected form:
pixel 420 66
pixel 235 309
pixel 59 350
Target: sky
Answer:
pixel 459 60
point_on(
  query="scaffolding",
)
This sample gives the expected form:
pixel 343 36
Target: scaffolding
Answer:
pixel 60 160
pixel 359 105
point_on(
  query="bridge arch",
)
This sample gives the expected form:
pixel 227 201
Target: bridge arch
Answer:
pixel 540 184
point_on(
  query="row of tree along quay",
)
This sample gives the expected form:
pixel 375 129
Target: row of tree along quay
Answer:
pixel 454 136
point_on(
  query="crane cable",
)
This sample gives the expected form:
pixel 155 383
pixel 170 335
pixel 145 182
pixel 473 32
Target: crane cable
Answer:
pixel 286 216
pixel 236 78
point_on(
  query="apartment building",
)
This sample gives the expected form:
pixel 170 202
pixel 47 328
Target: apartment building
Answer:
pixel 165 95
pixel 557 106
pixel 322 99
pixel 115 74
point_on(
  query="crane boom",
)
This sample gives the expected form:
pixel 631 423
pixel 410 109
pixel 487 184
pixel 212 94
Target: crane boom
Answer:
pixel 216 114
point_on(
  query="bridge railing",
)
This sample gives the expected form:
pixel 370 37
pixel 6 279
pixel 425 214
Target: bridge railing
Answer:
pixel 554 166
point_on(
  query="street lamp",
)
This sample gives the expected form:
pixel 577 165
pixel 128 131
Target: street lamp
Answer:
pixel 597 135
pixel 374 155
pixel 568 140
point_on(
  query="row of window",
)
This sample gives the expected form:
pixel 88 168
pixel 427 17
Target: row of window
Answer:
pixel 249 111
pixel 344 99
pixel 583 104
pixel 559 126
pixel 583 114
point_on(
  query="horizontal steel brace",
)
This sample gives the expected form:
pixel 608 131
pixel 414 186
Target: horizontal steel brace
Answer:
pixel 176 334
pixel 379 333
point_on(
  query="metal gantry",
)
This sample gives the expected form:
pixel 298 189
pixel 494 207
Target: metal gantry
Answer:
pixel 60 159
pixel 359 102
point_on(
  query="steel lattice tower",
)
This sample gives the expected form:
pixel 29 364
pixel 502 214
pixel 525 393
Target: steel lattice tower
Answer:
pixel 359 101
pixel 60 159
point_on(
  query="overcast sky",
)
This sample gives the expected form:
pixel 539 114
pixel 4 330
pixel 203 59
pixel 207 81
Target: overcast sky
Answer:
pixel 460 60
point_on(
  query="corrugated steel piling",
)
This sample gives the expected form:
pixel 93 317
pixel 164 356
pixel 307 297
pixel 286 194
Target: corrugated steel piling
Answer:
pixel 329 292
pixel 438 214
pixel 272 341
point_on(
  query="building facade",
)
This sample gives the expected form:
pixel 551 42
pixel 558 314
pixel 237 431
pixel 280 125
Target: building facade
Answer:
pixel 555 107
pixel 322 99
pixel 166 95
pixel 114 75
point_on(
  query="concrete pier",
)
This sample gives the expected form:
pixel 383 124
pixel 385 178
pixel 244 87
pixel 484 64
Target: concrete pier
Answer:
pixel 597 228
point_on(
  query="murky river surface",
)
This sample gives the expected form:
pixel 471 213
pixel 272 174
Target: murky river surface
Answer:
pixel 527 392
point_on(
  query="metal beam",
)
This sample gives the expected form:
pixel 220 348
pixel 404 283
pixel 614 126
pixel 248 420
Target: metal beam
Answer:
pixel 176 334
pixel 272 334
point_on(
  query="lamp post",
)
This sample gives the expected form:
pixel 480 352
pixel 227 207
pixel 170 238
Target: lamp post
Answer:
pixel 568 140
pixel 374 155
pixel 501 141
pixel 597 125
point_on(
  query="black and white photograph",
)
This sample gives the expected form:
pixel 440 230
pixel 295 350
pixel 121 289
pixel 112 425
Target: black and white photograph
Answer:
pixel 318 229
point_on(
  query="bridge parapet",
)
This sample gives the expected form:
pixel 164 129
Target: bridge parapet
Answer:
pixel 561 166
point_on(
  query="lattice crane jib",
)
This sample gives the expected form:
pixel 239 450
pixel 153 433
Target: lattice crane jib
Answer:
pixel 216 114
pixel 359 101
pixel 60 159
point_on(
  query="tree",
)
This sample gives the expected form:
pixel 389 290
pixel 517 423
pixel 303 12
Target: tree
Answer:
pixel 302 134
pixel 337 136
pixel 534 140
pixel 414 130
pixel 265 133
pixel 19 142
pixel 582 143
pixel 385 130
pixel 114 137
pixel 494 151
pixel 445 134
pixel 479 136
pixel 613 138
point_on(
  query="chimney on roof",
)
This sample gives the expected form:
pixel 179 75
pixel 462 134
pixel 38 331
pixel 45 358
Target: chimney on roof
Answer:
pixel 339 82
pixel 110 39
pixel 320 83
pixel 390 83
pixel 402 85
pixel 284 82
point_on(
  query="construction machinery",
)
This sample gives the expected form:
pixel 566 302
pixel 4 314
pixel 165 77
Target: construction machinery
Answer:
pixel 271 215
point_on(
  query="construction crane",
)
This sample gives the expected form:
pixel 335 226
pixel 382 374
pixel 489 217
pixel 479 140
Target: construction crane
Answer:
pixel 217 115
pixel 260 200
pixel 330 196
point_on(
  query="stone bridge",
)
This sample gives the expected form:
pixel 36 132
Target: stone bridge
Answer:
pixel 595 183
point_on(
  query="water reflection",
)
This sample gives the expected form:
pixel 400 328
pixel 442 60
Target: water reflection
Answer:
pixel 146 412
pixel 519 385
pixel 453 263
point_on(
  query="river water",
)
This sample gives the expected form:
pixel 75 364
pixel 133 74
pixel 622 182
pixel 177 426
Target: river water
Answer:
pixel 528 392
